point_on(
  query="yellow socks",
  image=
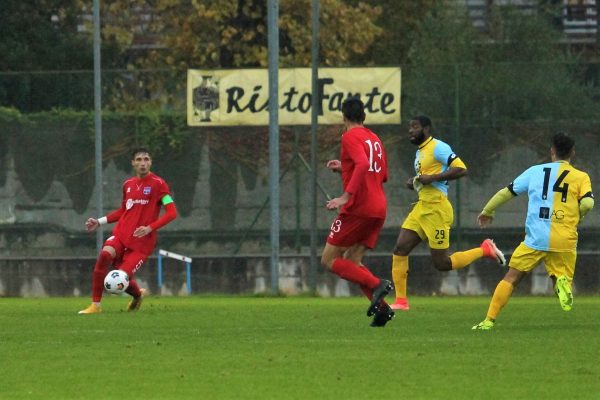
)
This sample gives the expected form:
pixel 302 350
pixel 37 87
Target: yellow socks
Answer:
pixel 499 299
pixel 461 259
pixel 400 274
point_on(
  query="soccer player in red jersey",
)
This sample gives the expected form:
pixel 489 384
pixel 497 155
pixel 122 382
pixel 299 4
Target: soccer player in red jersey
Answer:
pixel 134 236
pixel 362 209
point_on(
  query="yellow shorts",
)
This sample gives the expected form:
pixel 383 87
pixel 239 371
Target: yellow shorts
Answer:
pixel 432 221
pixel 526 259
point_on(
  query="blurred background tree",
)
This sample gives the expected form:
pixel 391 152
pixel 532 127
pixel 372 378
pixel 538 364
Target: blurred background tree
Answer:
pixel 43 36
pixel 230 34
pixel 514 84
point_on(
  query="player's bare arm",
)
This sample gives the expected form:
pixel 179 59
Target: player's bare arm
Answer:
pixel 91 224
pixel 484 220
pixel 335 165
pixel 450 174
pixel 142 231
pixel 338 202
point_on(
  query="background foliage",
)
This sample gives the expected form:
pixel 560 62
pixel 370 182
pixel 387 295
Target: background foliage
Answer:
pixel 510 84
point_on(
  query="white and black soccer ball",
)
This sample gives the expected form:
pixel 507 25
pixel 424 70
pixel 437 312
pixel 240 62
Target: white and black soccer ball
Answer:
pixel 116 281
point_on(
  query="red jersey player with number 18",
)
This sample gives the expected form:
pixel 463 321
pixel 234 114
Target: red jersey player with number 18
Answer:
pixel 134 236
pixel 362 210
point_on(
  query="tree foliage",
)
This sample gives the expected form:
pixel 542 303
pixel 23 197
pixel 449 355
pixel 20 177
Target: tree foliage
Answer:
pixel 513 84
pixel 212 34
pixel 233 33
pixel 401 24
pixel 42 36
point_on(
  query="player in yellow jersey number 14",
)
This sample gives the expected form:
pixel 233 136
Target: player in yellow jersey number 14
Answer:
pixel 559 197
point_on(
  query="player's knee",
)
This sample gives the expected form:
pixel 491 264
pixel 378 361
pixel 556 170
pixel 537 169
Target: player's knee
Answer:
pixel 401 250
pixel 444 264
pixel 513 276
pixel 105 259
pixel 106 256
pixel 326 262
pixel 110 250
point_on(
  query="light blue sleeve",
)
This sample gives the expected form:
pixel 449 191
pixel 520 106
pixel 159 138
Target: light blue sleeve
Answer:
pixel 521 183
pixel 443 153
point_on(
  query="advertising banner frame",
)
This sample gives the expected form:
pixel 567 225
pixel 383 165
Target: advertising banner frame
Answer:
pixel 239 97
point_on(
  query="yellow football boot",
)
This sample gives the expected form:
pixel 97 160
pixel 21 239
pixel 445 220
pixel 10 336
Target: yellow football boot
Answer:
pixel 485 325
pixel 92 309
pixel 564 293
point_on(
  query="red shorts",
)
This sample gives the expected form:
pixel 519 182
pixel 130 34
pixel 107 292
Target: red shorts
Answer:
pixel 126 259
pixel 348 230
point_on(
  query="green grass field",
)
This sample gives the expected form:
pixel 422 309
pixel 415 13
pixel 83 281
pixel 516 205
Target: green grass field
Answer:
pixel 297 348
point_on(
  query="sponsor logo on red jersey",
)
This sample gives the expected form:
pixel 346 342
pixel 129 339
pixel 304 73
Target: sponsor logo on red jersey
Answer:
pixel 130 203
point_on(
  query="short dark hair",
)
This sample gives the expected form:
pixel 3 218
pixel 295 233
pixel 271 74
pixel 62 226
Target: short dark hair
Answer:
pixel 563 145
pixel 353 110
pixel 138 150
pixel 424 120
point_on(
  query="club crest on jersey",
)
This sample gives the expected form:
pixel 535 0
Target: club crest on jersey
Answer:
pixel 147 190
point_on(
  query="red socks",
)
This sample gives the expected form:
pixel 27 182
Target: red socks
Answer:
pixel 360 275
pixel 101 268
pixel 103 262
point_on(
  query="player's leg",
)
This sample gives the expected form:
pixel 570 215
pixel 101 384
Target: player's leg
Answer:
pixel 103 265
pixel 111 250
pixel 524 259
pixel 368 234
pixel 348 231
pixel 435 220
pixel 132 262
pixel 500 298
pixel 343 235
pixel 488 249
pixel 384 312
pixel 411 234
pixel 457 260
pixel 436 224
pixel 561 269
pixel 407 240
pixel 369 230
pixel 333 259
pixel 355 254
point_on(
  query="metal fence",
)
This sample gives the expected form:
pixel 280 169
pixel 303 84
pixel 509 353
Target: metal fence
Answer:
pixel 250 274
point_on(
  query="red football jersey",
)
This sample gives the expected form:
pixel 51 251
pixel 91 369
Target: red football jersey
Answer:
pixel 364 169
pixel 141 206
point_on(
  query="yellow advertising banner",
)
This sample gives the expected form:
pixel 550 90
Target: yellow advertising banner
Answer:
pixel 241 97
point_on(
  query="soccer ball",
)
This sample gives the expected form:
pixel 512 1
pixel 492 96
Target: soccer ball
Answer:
pixel 116 281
